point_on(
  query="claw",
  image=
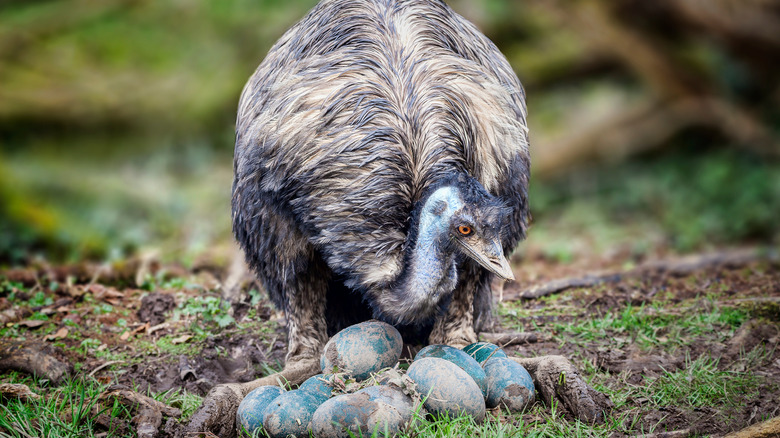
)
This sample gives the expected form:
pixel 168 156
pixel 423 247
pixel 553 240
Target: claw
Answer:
pixel 556 378
pixel 217 414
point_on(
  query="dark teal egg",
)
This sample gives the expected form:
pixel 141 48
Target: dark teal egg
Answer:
pixel 318 386
pixel 509 384
pixel 459 358
pixel 250 412
pixel 362 349
pixel 290 414
pixel 482 351
pixel 356 414
pixel 446 388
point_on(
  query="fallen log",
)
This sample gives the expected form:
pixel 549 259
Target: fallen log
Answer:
pixel 767 429
pixel 32 358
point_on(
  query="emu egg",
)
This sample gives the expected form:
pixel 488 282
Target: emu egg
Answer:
pixel 393 396
pixel 482 351
pixel 359 414
pixel 318 386
pixel 250 411
pixel 362 349
pixel 290 414
pixel 446 388
pixel 459 358
pixel 509 384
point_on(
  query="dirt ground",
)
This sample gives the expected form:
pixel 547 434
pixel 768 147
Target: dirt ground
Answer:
pixel 753 289
pixel 171 332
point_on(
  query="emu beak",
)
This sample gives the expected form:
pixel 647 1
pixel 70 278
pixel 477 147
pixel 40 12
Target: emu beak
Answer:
pixel 489 254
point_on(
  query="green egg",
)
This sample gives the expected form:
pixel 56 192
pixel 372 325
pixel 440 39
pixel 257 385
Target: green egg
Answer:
pixel 250 412
pixel 362 349
pixel 509 384
pixel 482 351
pixel 318 386
pixel 290 414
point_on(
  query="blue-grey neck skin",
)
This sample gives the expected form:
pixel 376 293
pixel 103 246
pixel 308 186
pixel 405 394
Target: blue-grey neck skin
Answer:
pixel 431 267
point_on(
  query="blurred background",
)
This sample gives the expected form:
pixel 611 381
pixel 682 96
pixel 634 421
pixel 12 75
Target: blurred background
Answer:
pixel 654 125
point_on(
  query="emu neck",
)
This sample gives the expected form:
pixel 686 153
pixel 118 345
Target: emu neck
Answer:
pixel 430 268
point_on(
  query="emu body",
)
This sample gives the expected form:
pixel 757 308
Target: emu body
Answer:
pixel 355 118
pixel 381 170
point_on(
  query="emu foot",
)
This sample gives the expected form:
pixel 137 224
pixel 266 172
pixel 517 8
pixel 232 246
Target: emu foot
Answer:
pixel 217 414
pixel 557 379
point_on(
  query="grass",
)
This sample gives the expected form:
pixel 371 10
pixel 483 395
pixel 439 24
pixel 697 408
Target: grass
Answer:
pixel 651 329
pixel 181 399
pixel 64 411
pixel 698 384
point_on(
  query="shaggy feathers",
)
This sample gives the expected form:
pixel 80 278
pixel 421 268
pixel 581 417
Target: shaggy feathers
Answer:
pixel 354 114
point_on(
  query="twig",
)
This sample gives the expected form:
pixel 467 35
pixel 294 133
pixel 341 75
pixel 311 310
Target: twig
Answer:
pixel 107 364
pixel 678 267
pixel 509 338
pixel 682 433
pixel 559 285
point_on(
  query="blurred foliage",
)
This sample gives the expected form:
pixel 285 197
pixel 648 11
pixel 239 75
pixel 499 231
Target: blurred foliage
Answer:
pixel 172 67
pixel 116 118
pixel 697 196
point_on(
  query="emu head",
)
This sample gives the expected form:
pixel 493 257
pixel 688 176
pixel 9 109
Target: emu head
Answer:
pixel 459 217
pixel 454 220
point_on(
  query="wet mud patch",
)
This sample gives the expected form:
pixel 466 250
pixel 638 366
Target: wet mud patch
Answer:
pixel 155 308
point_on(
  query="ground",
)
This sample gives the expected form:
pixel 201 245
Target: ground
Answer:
pixel 694 352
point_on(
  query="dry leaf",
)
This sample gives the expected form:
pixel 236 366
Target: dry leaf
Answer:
pixel 75 291
pixel 108 294
pixel 140 328
pixel 181 339
pixel 32 323
pixel 125 336
pixel 61 333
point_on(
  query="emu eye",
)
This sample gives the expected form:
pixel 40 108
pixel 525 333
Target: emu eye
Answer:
pixel 465 230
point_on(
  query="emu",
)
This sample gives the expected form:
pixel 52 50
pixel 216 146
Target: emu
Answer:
pixel 381 171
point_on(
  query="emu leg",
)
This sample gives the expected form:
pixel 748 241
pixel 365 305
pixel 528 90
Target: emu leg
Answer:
pixel 456 326
pixel 217 414
pixel 304 307
pixel 556 378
